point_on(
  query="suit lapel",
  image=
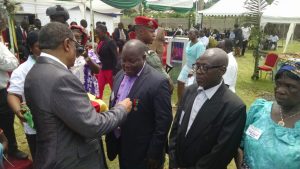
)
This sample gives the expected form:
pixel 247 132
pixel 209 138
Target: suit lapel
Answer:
pixel 116 87
pixel 189 100
pixel 208 112
pixel 138 81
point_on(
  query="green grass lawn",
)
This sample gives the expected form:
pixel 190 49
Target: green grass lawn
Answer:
pixel 246 88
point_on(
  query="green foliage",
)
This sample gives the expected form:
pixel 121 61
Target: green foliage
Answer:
pixel 210 3
pixel 255 7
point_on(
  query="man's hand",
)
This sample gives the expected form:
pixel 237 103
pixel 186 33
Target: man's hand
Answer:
pixel 153 164
pixel 127 104
pixel 20 113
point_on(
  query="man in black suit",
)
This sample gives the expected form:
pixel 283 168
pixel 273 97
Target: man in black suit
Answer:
pixel 21 34
pixel 209 122
pixel 68 127
pixel 141 140
pixel 120 35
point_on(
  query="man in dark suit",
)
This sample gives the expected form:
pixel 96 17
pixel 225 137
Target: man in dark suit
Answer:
pixel 68 127
pixel 120 35
pixel 209 122
pixel 21 34
pixel 141 140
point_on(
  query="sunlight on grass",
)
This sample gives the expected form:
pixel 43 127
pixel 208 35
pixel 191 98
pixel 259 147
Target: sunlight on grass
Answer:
pixel 246 88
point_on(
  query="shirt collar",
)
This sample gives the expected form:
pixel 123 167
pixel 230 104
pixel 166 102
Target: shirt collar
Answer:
pixel 140 72
pixel 211 91
pixel 53 58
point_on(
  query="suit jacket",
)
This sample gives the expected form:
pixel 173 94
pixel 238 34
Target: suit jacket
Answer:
pixel 116 34
pixel 145 131
pixel 68 127
pixel 215 134
pixel 22 45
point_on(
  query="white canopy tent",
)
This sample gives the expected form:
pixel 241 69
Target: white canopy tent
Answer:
pixel 283 11
pixel 226 8
pixel 102 12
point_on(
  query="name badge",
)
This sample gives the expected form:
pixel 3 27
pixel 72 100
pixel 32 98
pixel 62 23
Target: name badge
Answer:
pixel 254 132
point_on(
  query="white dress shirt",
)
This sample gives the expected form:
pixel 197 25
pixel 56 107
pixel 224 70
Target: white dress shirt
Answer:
pixel 200 99
pixel 246 32
pixel 53 58
pixel 8 62
pixel 16 86
pixel 204 40
pixel 230 76
pixel 122 34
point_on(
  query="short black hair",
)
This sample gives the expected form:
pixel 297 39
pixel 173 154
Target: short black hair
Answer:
pixel 53 34
pixel 32 38
pixel 83 23
pixel 102 27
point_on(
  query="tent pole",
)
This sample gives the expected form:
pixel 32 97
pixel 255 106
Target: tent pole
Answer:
pixel 84 9
pixel 92 23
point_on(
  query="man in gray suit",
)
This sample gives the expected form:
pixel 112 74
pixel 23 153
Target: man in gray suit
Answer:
pixel 68 127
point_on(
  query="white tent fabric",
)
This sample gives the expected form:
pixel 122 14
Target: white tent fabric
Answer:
pixel 226 8
pixel 283 11
pixel 98 5
pixel 75 9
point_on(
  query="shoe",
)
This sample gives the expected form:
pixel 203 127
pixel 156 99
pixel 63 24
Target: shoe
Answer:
pixel 18 154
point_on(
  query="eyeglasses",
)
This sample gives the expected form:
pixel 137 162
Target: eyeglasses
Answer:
pixel 204 68
pixel 79 48
pixel 76 43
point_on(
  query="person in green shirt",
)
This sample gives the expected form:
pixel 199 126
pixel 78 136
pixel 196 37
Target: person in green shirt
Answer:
pixel 144 29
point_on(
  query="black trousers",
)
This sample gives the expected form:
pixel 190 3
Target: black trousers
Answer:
pixel 7 121
pixel 31 139
pixel 245 44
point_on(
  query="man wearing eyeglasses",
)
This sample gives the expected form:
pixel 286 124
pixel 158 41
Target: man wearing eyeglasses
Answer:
pixel 68 127
pixel 209 122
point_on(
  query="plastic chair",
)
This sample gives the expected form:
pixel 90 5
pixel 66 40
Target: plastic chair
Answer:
pixel 269 65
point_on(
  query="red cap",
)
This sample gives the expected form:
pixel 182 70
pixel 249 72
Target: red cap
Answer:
pixel 145 21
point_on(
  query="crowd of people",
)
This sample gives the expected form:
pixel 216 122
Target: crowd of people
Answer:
pixel 48 93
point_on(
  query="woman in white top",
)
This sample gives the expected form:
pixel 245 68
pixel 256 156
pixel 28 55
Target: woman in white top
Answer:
pixel 16 98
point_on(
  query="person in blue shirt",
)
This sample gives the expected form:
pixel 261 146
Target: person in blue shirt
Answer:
pixel 272 133
pixel 194 49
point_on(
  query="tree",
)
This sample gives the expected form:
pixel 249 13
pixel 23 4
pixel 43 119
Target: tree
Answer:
pixel 256 7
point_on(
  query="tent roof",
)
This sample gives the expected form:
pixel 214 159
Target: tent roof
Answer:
pixel 282 11
pixel 163 5
pixel 98 5
pixel 226 8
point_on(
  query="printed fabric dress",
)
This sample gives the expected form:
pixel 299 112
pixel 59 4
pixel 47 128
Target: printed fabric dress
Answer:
pixel 85 75
pixel 275 147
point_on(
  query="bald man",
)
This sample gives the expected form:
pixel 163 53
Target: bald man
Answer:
pixel 141 140
pixel 209 122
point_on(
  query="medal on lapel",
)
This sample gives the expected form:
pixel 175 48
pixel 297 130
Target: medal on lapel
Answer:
pixel 135 104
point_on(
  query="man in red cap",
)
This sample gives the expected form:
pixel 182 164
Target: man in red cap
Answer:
pixel 144 29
